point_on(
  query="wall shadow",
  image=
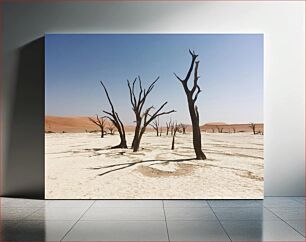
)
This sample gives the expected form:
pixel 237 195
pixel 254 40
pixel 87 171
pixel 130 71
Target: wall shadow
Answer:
pixel 24 168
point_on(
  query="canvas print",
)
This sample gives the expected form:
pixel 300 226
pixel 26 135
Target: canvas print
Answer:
pixel 154 116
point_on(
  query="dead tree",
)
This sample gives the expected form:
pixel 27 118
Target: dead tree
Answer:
pixel 175 129
pixel 114 118
pixel 192 95
pixel 100 122
pixel 168 126
pixel 234 130
pixel 253 126
pixel 183 126
pixel 155 126
pixel 220 129
pixel 143 118
pixel 111 128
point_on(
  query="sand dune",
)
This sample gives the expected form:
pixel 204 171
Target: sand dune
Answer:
pixel 81 124
pixel 72 124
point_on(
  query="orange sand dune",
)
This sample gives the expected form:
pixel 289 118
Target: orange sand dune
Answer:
pixel 68 124
pixel 216 123
pixel 72 124
pixel 80 124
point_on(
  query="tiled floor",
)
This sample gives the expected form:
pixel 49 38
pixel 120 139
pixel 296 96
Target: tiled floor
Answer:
pixel 274 219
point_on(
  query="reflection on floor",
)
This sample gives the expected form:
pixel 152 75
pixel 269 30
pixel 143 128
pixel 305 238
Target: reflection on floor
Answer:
pixel 274 219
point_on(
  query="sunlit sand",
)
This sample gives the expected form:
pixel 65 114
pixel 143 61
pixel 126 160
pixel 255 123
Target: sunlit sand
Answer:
pixel 82 165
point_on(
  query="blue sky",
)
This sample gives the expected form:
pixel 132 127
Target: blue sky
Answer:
pixel 230 69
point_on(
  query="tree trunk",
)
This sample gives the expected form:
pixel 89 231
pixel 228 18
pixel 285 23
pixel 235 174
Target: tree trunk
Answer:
pixel 138 140
pixel 122 144
pixel 197 144
pixel 173 140
pixel 137 131
pixel 196 132
pixel 102 132
pixel 136 145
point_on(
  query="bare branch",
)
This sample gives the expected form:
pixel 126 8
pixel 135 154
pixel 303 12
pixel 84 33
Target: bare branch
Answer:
pixel 155 126
pixel 141 89
pixel 114 117
pixel 111 119
pixel 131 94
pixel 145 94
pixel 133 91
pixel 146 114
pixel 196 77
pixel 94 121
pixel 107 95
pixel 157 113
pixel 193 56
pixel 196 95
pixel 143 119
pixel 180 79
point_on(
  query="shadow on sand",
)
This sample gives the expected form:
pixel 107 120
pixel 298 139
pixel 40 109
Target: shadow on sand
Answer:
pixel 122 166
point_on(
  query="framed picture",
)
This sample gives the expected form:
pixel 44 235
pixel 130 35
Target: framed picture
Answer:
pixel 154 116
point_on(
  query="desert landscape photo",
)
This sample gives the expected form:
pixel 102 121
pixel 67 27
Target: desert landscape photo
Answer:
pixel 154 116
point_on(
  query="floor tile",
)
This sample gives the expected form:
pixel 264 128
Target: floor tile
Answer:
pixel 189 214
pixel 261 231
pixel 16 213
pixel 7 224
pixel 124 214
pixel 235 203
pixel 196 231
pixel 21 203
pixel 298 225
pixel 50 213
pixel 244 214
pixel 289 213
pixel 39 230
pixel 281 202
pixel 118 231
pixel 69 203
pixel 128 203
pixel 140 220
pixel 300 200
pixel 185 203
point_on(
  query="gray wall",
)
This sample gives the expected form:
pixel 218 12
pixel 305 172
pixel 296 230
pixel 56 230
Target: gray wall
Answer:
pixel 23 82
